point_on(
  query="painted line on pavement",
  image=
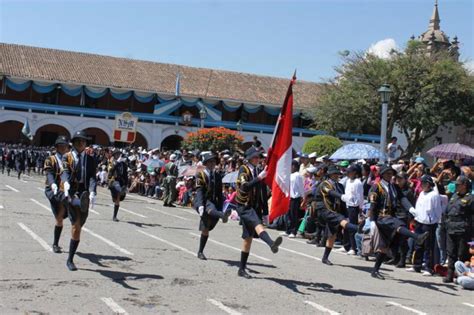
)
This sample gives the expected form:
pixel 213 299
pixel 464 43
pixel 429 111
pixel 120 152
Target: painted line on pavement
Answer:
pixel 49 210
pixel 1 207
pixel 321 308
pixel 167 242
pixel 117 309
pixel 468 304
pixel 231 247
pixel 24 181
pixel 41 205
pixel 108 242
pixel 11 188
pixel 129 211
pixel 226 309
pixel 166 213
pixel 35 237
pixel 406 308
pixel 292 251
pixel 39 188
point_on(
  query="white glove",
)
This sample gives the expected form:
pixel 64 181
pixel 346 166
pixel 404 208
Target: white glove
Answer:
pixel 413 211
pixel 201 210
pixel 54 187
pixel 345 198
pixel 263 174
pixel 66 189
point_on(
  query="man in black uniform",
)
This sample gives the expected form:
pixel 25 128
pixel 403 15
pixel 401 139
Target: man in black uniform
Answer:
pixel 53 166
pixel 250 199
pixel 384 200
pixel 10 156
pixel 79 187
pixel 20 160
pixel 459 224
pixel 209 200
pixel 331 210
pixel 118 179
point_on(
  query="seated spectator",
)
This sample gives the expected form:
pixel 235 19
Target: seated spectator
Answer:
pixel 465 271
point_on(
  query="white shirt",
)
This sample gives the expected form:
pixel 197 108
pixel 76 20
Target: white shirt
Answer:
pixel 296 185
pixel 354 193
pixel 428 208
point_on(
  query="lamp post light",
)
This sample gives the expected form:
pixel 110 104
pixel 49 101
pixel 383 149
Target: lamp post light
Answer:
pixel 202 115
pixel 187 117
pixel 384 92
pixel 239 126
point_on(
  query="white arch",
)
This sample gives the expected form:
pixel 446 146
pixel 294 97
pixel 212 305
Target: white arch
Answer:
pixel 12 116
pixel 171 131
pixel 54 120
pixel 107 128
pixel 145 133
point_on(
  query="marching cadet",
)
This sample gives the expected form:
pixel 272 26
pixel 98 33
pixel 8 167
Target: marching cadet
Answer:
pixel 53 167
pixel 20 160
pixel 331 210
pixel 117 179
pixel 250 206
pixel 79 187
pixel 209 200
pixel 169 182
pixel 459 225
pixel 384 200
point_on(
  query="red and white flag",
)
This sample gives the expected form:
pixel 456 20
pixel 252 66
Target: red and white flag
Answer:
pixel 279 157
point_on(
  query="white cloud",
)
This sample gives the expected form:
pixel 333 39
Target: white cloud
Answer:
pixel 382 48
pixel 469 65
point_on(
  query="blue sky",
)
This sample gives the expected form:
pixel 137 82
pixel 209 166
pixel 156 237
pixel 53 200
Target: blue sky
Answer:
pixel 262 37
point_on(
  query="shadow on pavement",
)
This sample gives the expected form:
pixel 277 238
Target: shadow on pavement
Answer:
pixel 97 259
pixel 121 277
pixel 296 285
pixel 234 263
pixel 431 285
pixel 367 269
pixel 141 224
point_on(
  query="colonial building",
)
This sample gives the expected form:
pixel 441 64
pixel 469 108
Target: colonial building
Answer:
pixel 61 92
pixel 435 39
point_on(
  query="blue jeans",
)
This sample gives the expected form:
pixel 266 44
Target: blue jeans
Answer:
pixel 358 239
pixel 465 281
pixel 441 239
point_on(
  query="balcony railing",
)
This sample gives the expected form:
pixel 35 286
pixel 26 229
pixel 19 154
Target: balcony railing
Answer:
pixel 152 118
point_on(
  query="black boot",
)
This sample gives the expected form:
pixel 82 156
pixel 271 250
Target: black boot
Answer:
pixel 202 244
pixel 449 277
pixel 116 209
pixel 243 264
pixel 57 235
pixel 378 262
pixel 72 251
pixel 325 259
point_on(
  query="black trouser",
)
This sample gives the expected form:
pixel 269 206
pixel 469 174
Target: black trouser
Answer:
pixel 349 237
pixel 457 248
pixel 426 248
pixel 293 216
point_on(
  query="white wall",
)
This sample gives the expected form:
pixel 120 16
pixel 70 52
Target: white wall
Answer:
pixel 153 133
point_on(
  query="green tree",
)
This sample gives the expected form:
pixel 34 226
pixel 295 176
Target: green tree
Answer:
pixel 322 145
pixel 427 92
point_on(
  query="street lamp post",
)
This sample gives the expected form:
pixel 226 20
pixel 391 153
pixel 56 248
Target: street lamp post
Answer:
pixel 202 115
pixel 384 92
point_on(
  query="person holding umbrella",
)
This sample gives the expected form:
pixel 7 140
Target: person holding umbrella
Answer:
pixel 209 200
pixel 52 168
